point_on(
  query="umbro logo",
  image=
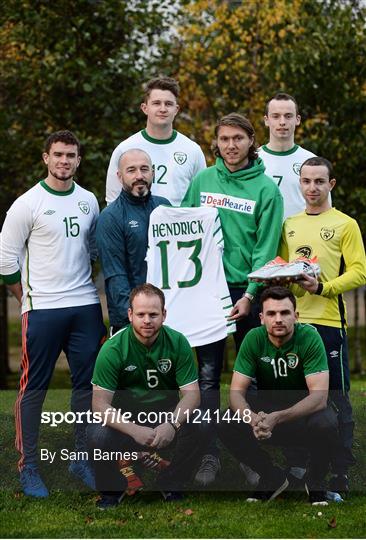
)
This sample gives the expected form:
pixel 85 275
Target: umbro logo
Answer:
pixel 266 359
pixel 49 212
pixel 130 368
pixel 291 234
pixel 133 223
pixel 334 354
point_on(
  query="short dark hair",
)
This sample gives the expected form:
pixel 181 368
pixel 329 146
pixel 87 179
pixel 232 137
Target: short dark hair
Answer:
pixel 161 83
pixel 236 120
pixel 277 293
pixel 281 96
pixel 319 161
pixel 149 290
pixel 65 136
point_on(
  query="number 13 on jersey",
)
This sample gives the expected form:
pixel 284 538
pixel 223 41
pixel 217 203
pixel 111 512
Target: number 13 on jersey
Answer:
pixel 194 257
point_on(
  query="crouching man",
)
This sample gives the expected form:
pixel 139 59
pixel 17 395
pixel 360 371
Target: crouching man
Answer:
pixel 138 376
pixel 289 362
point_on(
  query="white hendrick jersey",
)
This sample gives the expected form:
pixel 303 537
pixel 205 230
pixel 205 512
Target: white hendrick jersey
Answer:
pixel 176 161
pixel 284 168
pixel 49 236
pixel 184 259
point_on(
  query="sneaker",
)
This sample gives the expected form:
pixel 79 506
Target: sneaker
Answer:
pixel 339 483
pixel 251 477
pixel 293 270
pixel 109 501
pixel 153 461
pixel 32 483
pixel 270 489
pixel 209 469
pixel 318 498
pixel 266 272
pixel 82 470
pixel 134 482
pixel 296 478
pixel 333 496
pixel 279 270
pixel 172 496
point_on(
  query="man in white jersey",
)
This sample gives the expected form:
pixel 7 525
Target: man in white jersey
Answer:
pixel 46 247
pixel 281 156
pixel 175 157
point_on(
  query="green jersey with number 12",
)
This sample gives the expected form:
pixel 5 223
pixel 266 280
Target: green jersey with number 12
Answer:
pixel 184 259
pixel 176 161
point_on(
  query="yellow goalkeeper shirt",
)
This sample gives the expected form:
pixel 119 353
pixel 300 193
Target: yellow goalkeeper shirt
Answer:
pixel 336 240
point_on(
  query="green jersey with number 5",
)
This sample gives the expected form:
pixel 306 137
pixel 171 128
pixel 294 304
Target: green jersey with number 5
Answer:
pixel 145 378
pixel 285 368
pixel 176 161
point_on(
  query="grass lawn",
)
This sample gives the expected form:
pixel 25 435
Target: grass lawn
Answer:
pixel 70 510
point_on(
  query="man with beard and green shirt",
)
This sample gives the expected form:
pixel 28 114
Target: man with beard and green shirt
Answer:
pixel 290 408
pixel 251 211
pixel 145 372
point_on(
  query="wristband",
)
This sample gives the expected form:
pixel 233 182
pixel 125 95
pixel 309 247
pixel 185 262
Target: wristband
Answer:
pixel 249 297
pixel 176 425
pixel 319 289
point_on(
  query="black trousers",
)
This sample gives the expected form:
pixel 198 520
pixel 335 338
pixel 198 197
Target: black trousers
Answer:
pixel 187 447
pixel 79 332
pixel 317 432
pixel 336 346
pixel 210 359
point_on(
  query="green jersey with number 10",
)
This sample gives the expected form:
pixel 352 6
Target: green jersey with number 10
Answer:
pixel 184 259
pixel 284 368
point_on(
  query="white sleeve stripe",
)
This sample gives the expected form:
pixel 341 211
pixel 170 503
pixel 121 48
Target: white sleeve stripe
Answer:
pixel 101 387
pixel 242 374
pixel 316 372
pixel 187 384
